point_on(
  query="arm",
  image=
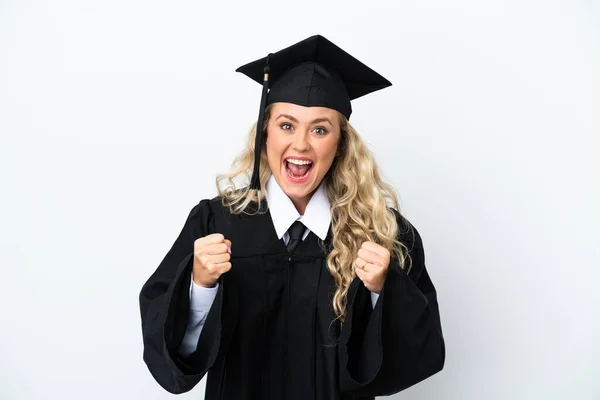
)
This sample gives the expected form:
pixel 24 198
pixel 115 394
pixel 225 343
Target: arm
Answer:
pixel 201 299
pixel 165 309
pixel 398 343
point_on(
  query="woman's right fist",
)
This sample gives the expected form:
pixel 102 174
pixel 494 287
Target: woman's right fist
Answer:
pixel 211 259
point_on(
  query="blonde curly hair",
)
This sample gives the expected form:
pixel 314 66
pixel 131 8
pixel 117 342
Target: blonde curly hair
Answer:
pixel 361 204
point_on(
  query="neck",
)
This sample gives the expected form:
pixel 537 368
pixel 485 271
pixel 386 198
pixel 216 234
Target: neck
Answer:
pixel 301 205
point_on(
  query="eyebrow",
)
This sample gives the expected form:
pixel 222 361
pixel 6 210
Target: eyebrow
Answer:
pixel 314 121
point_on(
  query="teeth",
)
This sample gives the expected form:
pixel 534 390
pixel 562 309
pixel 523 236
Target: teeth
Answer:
pixel 298 162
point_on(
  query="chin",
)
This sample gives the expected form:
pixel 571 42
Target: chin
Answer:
pixel 296 192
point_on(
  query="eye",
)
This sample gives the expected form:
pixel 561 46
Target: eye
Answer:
pixel 286 127
pixel 319 130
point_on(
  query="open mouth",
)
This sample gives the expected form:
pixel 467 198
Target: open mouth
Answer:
pixel 298 169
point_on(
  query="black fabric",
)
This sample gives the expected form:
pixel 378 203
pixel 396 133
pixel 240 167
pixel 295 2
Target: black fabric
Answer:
pixel 271 332
pixel 296 231
pixel 315 72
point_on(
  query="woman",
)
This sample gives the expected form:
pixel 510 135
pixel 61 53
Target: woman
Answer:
pixel 314 288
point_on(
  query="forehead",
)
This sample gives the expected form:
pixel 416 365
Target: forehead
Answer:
pixel 304 114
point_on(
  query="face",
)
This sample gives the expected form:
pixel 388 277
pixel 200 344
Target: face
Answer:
pixel 301 145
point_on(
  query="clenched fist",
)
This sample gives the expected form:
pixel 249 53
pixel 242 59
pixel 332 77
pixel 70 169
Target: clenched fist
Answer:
pixel 371 265
pixel 211 259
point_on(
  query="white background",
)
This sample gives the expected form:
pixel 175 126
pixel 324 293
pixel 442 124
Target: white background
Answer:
pixel 115 117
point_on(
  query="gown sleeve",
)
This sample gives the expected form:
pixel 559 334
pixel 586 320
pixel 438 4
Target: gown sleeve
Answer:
pixel 165 310
pixel 398 343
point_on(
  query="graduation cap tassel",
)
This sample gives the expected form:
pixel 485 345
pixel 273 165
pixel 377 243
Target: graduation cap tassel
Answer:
pixel 255 181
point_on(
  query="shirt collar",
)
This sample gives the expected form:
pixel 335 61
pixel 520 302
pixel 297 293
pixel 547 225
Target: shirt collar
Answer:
pixel 317 216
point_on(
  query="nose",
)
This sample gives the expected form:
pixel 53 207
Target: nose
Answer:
pixel 301 141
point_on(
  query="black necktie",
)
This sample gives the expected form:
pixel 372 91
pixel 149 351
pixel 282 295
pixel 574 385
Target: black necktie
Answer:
pixel 295 231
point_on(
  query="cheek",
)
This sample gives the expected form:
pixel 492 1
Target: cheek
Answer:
pixel 269 143
pixel 273 148
pixel 328 151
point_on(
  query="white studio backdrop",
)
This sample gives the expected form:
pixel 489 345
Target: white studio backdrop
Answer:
pixel 115 117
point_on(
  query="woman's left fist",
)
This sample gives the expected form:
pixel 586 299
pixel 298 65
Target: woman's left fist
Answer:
pixel 371 265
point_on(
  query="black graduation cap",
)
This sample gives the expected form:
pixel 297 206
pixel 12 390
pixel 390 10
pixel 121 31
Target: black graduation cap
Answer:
pixel 313 72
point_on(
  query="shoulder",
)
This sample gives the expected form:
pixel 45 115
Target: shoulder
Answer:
pixel 217 210
pixel 203 206
pixel 207 207
pixel 408 233
pixel 252 233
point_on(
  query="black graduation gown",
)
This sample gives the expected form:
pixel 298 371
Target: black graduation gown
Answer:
pixel 271 334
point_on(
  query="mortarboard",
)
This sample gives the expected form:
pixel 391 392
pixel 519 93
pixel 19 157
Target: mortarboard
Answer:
pixel 311 73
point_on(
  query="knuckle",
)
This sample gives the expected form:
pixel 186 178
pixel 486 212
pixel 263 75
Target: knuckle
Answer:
pixel 204 259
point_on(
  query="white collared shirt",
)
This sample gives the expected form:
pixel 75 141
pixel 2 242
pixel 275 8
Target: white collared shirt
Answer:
pixel 316 219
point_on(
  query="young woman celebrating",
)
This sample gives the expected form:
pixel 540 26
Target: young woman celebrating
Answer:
pixel 301 280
